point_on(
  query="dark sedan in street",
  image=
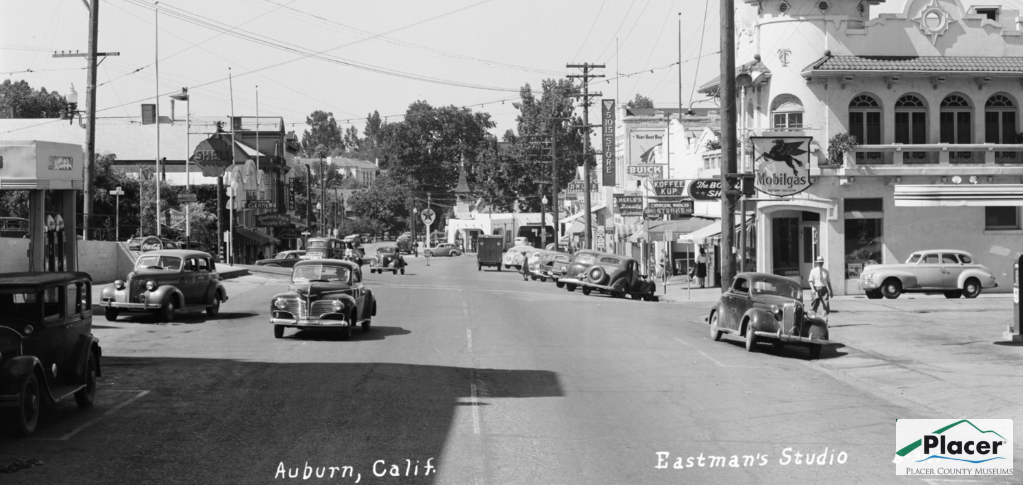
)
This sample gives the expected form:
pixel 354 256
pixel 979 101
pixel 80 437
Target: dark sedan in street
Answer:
pixel 283 259
pixel 324 294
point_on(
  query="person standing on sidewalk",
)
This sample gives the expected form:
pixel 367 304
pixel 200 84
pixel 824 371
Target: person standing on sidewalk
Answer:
pixel 701 267
pixel 820 285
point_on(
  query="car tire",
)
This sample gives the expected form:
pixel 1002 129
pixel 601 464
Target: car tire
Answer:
pixel 366 324
pixel 570 287
pixel 278 331
pixel 86 395
pixel 715 331
pixel 587 290
pixel 25 417
pixel 532 277
pixel 891 288
pixel 952 295
pixel 499 267
pixel 619 290
pixel 874 294
pixel 167 311
pixel 559 284
pixel 971 288
pixel 479 267
pixel 346 333
pixel 213 310
pixel 111 314
pixel 543 279
pixel 751 338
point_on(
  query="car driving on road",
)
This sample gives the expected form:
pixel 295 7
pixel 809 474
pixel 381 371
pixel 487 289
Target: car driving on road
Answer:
pixel 164 282
pixel 283 259
pixel 443 249
pixel 324 294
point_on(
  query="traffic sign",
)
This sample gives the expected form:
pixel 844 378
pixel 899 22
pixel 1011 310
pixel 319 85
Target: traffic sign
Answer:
pixel 428 216
pixel 184 197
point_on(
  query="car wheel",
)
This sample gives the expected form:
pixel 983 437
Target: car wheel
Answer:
pixel 815 351
pixel 543 279
pixel 874 295
pixel 751 338
pixel 86 395
pixel 26 415
pixel 559 284
pixel 167 311
pixel 532 277
pixel 715 332
pixel 111 314
pixel 971 289
pixel 891 288
pixel 394 271
pixel 278 331
pixel 619 290
pixel 952 295
pixel 571 287
pixel 346 332
pixel 214 310
pixel 479 267
pixel 587 290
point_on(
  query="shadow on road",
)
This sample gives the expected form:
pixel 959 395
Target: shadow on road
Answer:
pixel 249 417
pixel 333 335
pixel 830 351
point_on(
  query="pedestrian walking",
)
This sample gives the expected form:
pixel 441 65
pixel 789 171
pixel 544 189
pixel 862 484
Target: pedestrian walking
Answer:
pixel 701 267
pixel 525 267
pixel 820 285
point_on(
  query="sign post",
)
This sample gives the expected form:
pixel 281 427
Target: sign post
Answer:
pixel 428 215
pixel 117 193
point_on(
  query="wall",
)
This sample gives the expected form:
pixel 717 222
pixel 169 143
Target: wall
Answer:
pixel 105 261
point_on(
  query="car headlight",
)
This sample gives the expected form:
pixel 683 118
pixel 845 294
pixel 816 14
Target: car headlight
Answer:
pixel 776 311
pixel 337 305
pixel 866 276
pixel 151 285
pixel 119 285
pixel 281 303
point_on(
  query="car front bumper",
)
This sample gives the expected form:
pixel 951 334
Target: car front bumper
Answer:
pixel 309 322
pixel 110 303
pixel 571 281
pixel 790 338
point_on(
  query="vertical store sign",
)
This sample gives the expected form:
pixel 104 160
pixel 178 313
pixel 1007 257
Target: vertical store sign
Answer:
pixel 608 143
pixel 292 189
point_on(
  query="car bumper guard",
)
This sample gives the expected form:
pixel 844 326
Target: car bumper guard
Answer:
pixel 132 306
pixel 311 323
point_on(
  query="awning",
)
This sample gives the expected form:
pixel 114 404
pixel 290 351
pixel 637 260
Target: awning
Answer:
pixel 699 235
pixel 581 213
pixel 253 237
pixel 658 229
pixel 958 195
pixel 244 152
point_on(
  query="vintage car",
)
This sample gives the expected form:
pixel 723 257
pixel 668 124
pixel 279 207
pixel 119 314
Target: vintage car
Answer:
pixel 443 249
pixel 576 271
pixel 283 259
pixel 619 276
pixel 164 282
pixel 406 245
pixel 767 308
pixel 327 294
pixel 47 350
pixel 150 243
pixel 516 256
pixel 489 252
pixel 541 263
pixel 951 272
pixel 324 248
pixel 387 258
pixel 558 268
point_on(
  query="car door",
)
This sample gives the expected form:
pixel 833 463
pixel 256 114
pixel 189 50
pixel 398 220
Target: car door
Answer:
pixel 952 268
pixel 359 293
pixel 202 280
pixel 78 306
pixel 49 341
pixel 188 282
pixel 741 300
pixel 928 271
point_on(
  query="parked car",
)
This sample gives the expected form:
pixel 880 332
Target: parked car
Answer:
pixel 325 248
pixel 489 252
pixel 47 350
pixel 164 282
pixel 522 241
pixel 540 264
pixel 324 294
pixel 13 227
pixel 576 271
pixel 516 256
pixel 387 258
pixel 283 259
pixel 443 249
pixel 618 276
pixel 951 272
pixel 558 267
pixel 767 308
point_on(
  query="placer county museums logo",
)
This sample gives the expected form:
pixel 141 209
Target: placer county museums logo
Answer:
pixel 781 165
pixel 953 447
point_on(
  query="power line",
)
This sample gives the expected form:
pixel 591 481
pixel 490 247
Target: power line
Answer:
pixel 594 24
pixel 624 18
pixel 703 29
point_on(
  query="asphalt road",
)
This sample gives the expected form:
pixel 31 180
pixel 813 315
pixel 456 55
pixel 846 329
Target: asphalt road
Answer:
pixel 487 378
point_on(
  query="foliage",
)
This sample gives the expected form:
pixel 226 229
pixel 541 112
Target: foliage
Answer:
pixel 641 102
pixel 839 145
pixel 19 100
pixel 712 145
pixel 323 135
pixel 386 202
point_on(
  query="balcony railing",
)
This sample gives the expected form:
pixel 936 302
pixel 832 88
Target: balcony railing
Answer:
pixel 936 154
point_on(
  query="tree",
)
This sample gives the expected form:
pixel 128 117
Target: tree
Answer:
pixel 19 100
pixel 641 102
pixel 323 132
pixel 386 202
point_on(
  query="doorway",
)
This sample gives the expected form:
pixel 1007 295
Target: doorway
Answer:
pixel 809 229
pixel 786 247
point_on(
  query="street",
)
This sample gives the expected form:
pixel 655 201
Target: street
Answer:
pixel 465 377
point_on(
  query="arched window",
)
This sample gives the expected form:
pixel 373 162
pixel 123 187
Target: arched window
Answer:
pixel 865 119
pixel 1000 120
pixel 956 120
pixel 911 127
pixel 788 112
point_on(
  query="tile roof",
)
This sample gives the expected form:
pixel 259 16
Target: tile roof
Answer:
pixel 922 64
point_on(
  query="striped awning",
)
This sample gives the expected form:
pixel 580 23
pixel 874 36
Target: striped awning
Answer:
pixel 958 195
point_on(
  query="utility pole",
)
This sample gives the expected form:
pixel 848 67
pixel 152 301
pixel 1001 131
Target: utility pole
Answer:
pixel 728 128
pixel 586 76
pixel 308 201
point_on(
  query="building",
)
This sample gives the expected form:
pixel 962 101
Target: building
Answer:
pixel 932 97
pixel 364 172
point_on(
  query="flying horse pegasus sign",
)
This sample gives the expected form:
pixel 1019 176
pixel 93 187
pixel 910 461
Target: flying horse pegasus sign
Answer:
pixel 781 164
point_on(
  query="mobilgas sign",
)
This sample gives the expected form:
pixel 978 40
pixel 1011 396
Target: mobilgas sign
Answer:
pixel 781 164
pixel 628 205
pixel 953 447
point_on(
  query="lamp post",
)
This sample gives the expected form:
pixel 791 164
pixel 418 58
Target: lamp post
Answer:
pixel 319 223
pixel 71 106
pixel 543 223
pixel 415 214
pixel 183 96
pixel 117 193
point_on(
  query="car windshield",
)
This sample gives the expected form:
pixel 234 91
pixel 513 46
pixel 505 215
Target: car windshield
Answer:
pixel 16 304
pixel 585 259
pixel 317 244
pixel 385 250
pixel 159 262
pixel 788 290
pixel 320 273
pixel 913 259
pixel 614 261
pixel 561 257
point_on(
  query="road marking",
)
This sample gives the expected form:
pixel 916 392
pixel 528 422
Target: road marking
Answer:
pixel 711 358
pixel 94 421
pixel 683 342
pixel 475 406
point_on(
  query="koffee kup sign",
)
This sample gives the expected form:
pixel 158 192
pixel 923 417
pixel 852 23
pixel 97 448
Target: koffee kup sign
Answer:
pixel 213 155
pixel 781 165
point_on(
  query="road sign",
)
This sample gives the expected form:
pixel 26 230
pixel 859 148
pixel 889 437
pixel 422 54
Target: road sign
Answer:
pixel 117 191
pixel 428 216
pixel 185 197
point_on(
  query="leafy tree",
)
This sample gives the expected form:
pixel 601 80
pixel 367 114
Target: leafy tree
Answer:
pixel 323 136
pixel 19 100
pixel 641 102
pixel 386 202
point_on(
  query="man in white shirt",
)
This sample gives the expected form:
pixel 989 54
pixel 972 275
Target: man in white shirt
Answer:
pixel 820 285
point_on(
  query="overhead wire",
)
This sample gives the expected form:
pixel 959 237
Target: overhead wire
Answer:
pixel 624 18
pixel 592 25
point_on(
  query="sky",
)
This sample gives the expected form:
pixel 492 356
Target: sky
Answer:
pixel 477 51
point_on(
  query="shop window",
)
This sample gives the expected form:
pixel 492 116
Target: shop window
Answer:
pixel 1001 218
pixel 865 120
pixel 864 244
pixel 788 112
pixel 1000 120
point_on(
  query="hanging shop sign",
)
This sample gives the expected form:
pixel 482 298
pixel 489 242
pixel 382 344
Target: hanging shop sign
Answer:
pixel 781 165
pixel 292 190
pixel 608 143
pixel 680 208
pixel 645 171
pixel 151 244
pixel 708 189
pixel 578 186
pixel 628 205
pixel 213 155
pixel 273 220
pixel 258 204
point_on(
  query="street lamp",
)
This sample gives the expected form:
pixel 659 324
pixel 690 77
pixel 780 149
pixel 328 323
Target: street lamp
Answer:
pixel 319 223
pixel 71 107
pixel 543 223
pixel 415 214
